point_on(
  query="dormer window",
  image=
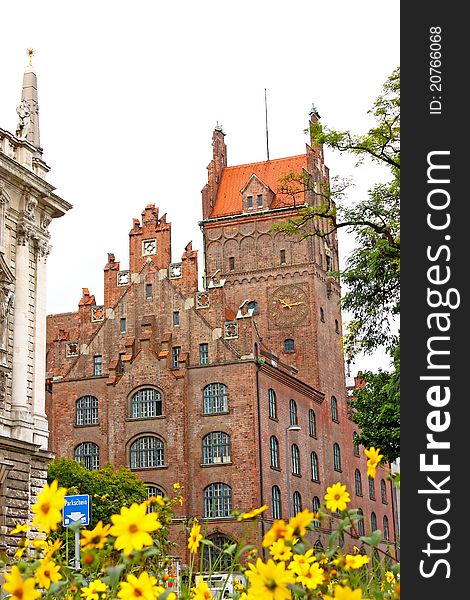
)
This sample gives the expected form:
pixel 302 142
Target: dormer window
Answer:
pixel 249 202
pixel 260 201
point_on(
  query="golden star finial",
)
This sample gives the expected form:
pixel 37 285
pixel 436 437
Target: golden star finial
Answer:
pixel 30 52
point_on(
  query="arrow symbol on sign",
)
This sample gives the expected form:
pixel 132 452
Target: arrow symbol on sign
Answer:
pixel 76 516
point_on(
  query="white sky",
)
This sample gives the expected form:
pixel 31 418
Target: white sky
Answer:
pixel 129 93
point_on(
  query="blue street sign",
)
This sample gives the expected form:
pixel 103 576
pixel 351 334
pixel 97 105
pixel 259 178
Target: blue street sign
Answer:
pixel 76 510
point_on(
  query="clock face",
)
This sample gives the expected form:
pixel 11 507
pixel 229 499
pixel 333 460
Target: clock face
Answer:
pixel 288 305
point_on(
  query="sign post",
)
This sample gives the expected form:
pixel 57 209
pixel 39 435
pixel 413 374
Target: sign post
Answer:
pixel 76 512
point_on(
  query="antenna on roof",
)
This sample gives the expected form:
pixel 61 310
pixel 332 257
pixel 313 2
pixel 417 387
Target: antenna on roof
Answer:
pixel 266 113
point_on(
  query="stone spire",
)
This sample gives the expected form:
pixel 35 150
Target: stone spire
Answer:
pixel 28 110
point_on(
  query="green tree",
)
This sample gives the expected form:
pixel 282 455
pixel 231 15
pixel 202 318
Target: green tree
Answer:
pixel 376 409
pixel 109 487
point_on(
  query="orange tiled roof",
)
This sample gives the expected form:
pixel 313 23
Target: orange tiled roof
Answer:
pixel 229 197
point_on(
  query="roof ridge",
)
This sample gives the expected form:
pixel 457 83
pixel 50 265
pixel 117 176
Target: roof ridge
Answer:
pixel 262 162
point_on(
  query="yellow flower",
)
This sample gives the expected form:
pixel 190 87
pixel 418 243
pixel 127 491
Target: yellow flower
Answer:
pixel 132 526
pixel 19 588
pixel 22 545
pixel 374 457
pixel 337 497
pixel 344 593
pixel 201 592
pixel 143 587
pixel 155 500
pixel 390 577
pixel 96 538
pixel 20 529
pixel 176 486
pixel 279 551
pixel 195 537
pixel 269 581
pixel 311 576
pixel 48 507
pixel 95 590
pixel 298 524
pixel 47 573
pixel 300 560
pixel 278 530
pixel 355 561
pixel 254 513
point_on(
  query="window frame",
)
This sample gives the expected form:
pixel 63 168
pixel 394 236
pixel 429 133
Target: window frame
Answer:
pixel 295 460
pixel 87 414
pixel 293 414
pixel 296 503
pixel 96 362
pixel 272 404
pixel 90 460
pixel 223 500
pixel 274 453
pixel 276 505
pixel 337 457
pixel 358 482
pixel 140 458
pixel 334 409
pixel 289 345
pixel 204 353
pixel 315 467
pixel 217 402
pixel 138 403
pixel 216 448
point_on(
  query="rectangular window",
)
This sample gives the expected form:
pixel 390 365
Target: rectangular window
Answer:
pixel 260 201
pixel 122 325
pixel 283 257
pixel 176 318
pixel 121 362
pixel 175 352
pixel 203 354
pixel 148 291
pixel 97 365
pixel 249 202
pixel 231 263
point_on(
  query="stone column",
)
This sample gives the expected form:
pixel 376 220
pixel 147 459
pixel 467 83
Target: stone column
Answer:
pixel 41 429
pixel 20 410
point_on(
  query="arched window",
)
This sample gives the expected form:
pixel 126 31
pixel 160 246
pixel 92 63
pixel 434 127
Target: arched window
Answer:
pixel 383 491
pixel 312 423
pixel 215 448
pixel 295 459
pixel 272 404
pixel 316 508
pixel 314 465
pixel 217 501
pixel 373 521
pixel 334 409
pixel 371 489
pixel 152 492
pixel 146 452
pixel 293 412
pixel 274 452
pixel 146 403
pixel 386 528
pixel 254 307
pixel 86 410
pixel 297 503
pixel 358 482
pixel 215 398
pixel 88 454
pixel 213 557
pixel 289 345
pixel 276 502
pixel 336 457
pixel 355 444
pixel 322 315
pixel 360 523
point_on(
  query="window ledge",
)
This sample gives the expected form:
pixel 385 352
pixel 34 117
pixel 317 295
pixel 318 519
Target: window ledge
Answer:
pixel 156 418
pixel 148 468
pixel 221 464
pixel 86 425
pixel 215 414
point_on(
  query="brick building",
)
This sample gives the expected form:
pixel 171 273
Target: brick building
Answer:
pixel 28 204
pixel 236 391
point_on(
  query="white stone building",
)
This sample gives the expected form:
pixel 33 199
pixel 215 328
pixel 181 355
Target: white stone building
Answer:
pixel 27 206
